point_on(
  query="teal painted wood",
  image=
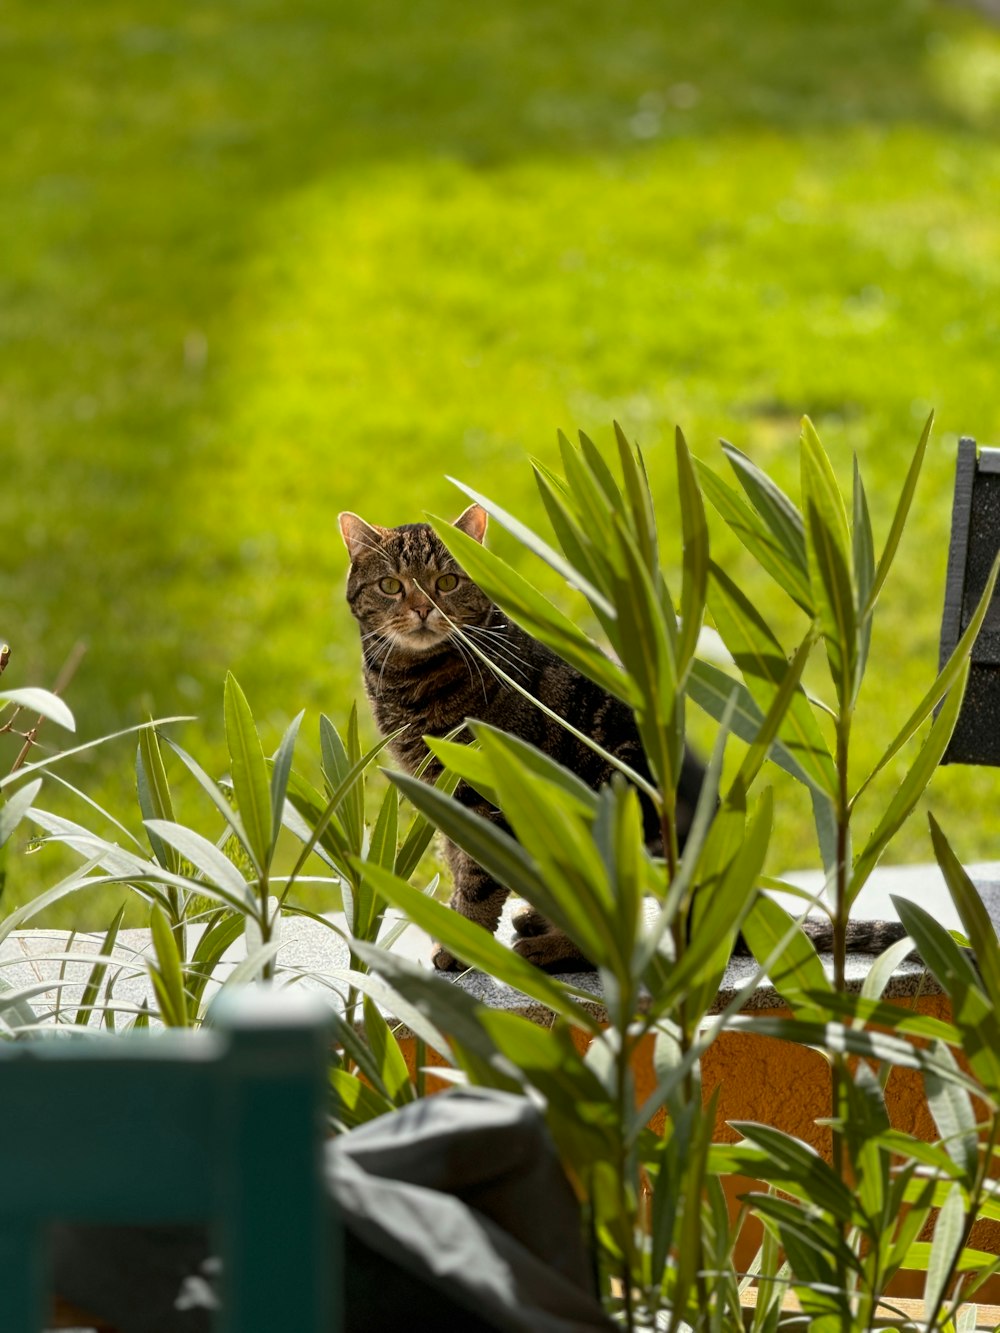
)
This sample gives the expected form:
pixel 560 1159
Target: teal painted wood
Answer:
pixel 224 1127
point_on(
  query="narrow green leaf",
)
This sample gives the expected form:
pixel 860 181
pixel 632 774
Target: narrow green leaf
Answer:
pixel 864 572
pixel 978 924
pixel 324 821
pixel 354 1102
pixel 214 792
pixel 820 481
pixel 19 774
pixel 901 514
pixel 393 1073
pixel 600 472
pixel 694 590
pixel 519 599
pixel 836 1037
pixel 829 550
pixel 719 911
pixel 542 765
pixel 946 679
pixel 910 790
pixel 756 537
pixel 644 643
pixel 591 503
pixel 537 545
pixel 796 971
pixel 477 947
pixel 205 856
pixel 280 772
pixel 387 997
pixel 466 762
pixel 883 968
pixel 763 742
pixel 711 689
pixel 16 807
pixel 166 974
pixel 383 842
pixel 92 989
pixel 948 1231
pixel 579 550
pixel 578 897
pixel 639 498
pixel 813 1242
pixel 249 773
pixel 338 761
pixel 955 1118
pixel 155 800
pixel 778 512
pixel 223 930
pixel 448 1008
pixel 972 1012
pixel 798 1168
pixel 420 832
pixel 763 664
pixel 834 596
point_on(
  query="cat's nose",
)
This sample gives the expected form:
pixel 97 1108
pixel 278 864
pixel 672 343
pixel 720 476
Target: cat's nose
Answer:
pixel 423 611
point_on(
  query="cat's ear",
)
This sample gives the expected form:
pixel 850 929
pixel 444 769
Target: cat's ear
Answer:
pixel 357 534
pixel 472 522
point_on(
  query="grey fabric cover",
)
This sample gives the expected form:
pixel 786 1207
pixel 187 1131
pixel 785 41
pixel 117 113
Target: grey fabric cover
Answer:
pixel 455 1214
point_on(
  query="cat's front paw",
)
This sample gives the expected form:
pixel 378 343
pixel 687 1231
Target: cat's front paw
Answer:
pixel 552 951
pixel 443 961
pixel 528 920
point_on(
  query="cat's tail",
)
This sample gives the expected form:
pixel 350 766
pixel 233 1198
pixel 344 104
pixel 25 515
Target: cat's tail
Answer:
pixel 871 937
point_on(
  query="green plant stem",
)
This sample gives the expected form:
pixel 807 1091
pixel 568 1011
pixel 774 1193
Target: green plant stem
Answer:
pixel 839 1071
pixel 265 923
pixel 625 1112
pixel 972 1213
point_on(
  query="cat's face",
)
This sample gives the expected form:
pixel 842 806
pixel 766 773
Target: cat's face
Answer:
pixel 404 588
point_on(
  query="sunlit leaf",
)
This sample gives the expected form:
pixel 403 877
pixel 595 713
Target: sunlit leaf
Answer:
pixel 477 947
pixel 950 674
pixel 864 571
pixel 766 549
pixel 16 807
pixel 154 795
pixel 393 1073
pixel 43 702
pixel 537 545
pixel 763 664
pixel 977 921
pixel 910 790
pixel 249 773
pixel 694 528
pixel 280 772
pixel 166 974
pixel 205 856
pixel 901 514
pixel 948 1232
pixel 796 971
pixel 519 599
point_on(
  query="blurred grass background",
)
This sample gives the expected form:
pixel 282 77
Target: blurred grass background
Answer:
pixel 263 260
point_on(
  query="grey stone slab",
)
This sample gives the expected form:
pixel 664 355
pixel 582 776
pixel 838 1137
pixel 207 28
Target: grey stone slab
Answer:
pixel 314 952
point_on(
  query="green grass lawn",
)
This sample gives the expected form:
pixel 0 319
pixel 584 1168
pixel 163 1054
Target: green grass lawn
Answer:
pixel 264 260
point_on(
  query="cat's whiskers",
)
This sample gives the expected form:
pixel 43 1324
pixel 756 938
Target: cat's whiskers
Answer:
pixel 390 644
pixel 470 663
pixel 493 641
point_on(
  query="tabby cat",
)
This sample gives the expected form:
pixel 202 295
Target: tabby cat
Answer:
pixel 408 595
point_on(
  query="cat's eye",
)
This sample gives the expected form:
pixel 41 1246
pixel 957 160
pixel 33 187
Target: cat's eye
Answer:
pixel 390 586
pixel 447 582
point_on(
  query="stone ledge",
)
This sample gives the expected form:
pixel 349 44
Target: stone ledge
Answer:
pixel 314 951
